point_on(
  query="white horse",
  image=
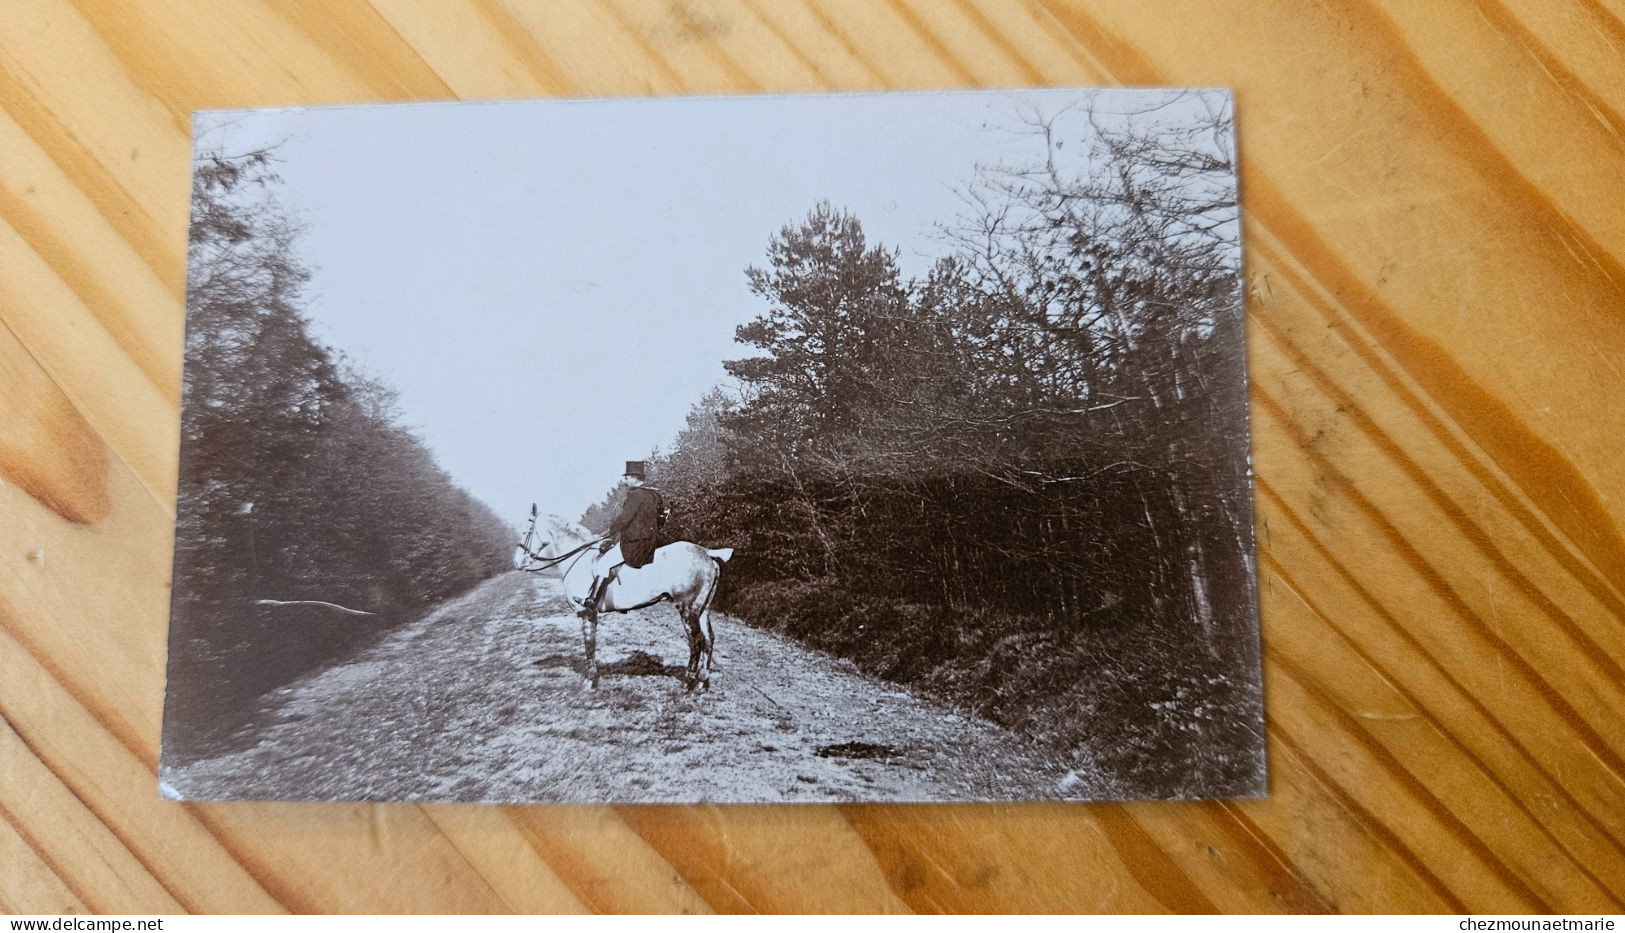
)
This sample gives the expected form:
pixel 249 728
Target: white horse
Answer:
pixel 683 572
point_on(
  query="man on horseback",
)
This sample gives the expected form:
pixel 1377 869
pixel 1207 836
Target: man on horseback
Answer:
pixel 632 536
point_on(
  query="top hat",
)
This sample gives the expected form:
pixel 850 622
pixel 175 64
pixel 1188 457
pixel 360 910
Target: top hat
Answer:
pixel 635 468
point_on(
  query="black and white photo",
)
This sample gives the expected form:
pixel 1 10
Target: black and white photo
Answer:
pixel 885 447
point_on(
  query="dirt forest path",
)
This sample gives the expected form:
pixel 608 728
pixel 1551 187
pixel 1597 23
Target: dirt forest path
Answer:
pixel 482 699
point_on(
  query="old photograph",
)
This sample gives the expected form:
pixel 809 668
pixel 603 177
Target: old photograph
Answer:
pixel 853 447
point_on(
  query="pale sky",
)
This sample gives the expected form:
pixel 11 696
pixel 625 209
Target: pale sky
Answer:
pixel 551 285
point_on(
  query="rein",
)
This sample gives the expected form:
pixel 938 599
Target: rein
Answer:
pixel 548 563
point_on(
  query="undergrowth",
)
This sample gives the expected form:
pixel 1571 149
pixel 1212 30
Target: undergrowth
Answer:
pixel 1160 716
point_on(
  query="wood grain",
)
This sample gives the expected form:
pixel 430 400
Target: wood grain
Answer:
pixel 1436 265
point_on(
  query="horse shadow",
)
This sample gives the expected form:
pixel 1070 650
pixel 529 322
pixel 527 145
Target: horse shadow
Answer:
pixel 636 664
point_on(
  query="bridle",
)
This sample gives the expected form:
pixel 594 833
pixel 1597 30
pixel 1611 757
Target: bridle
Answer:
pixel 548 563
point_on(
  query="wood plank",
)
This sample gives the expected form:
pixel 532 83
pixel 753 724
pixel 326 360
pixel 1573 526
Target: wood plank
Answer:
pixel 1436 272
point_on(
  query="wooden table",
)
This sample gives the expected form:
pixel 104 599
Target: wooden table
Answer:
pixel 1436 264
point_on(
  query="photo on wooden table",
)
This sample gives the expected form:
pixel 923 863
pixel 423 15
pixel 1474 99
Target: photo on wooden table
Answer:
pixel 859 447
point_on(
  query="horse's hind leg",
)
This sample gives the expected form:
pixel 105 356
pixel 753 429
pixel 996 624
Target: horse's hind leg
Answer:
pixel 710 632
pixel 708 643
pixel 705 649
pixel 696 646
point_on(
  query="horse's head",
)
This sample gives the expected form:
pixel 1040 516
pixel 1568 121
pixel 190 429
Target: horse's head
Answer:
pixel 541 540
pixel 547 537
pixel 524 551
pixel 547 544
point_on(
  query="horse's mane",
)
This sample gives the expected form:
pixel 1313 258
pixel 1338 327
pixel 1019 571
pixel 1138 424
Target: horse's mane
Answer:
pixel 562 529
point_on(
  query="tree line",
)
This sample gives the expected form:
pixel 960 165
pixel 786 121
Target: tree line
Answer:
pixel 1020 479
pixel 298 481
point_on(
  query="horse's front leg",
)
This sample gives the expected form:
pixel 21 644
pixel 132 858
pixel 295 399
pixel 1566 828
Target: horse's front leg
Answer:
pixel 589 641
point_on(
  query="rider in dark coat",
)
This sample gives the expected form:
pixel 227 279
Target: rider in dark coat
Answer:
pixel 638 524
pixel 632 536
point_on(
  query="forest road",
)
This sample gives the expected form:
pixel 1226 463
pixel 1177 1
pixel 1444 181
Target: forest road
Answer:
pixel 483 699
